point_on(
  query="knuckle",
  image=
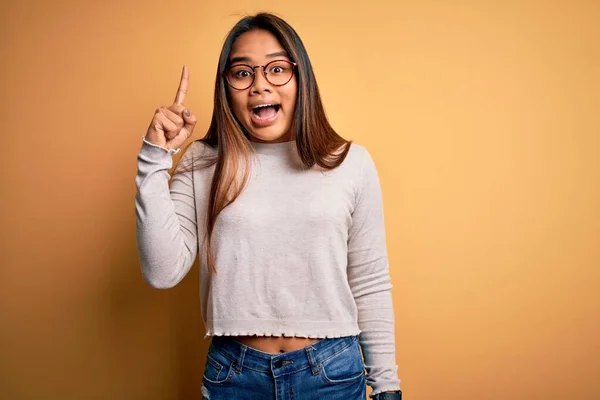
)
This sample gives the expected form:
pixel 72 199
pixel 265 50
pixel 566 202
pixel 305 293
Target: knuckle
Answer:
pixel 158 124
pixel 176 108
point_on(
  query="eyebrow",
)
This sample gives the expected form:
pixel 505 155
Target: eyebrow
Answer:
pixel 282 53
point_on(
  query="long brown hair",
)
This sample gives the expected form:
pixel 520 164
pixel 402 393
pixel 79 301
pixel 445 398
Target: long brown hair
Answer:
pixel 316 141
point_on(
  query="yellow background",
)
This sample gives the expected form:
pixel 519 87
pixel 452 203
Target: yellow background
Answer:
pixel 482 117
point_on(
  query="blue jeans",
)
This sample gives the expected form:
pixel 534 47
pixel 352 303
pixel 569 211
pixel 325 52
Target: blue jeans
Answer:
pixel 331 369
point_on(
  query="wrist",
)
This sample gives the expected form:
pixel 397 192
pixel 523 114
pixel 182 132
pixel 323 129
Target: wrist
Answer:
pixel 170 151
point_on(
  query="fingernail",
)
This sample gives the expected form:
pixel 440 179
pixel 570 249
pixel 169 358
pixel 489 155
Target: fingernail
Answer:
pixel 187 112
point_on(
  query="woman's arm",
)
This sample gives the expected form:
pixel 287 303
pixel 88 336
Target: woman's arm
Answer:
pixel 166 230
pixel 369 279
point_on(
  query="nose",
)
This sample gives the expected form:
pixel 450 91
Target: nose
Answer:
pixel 260 83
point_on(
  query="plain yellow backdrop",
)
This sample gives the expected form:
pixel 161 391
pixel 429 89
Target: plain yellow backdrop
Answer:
pixel 483 120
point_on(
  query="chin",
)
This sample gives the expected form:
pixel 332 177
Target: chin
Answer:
pixel 269 136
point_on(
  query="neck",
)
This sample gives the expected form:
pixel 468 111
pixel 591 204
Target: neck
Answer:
pixel 280 146
pixel 274 148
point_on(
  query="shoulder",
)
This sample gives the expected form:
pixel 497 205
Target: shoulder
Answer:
pixel 366 173
pixel 359 157
pixel 201 148
pixel 197 155
pixel 359 168
pixel 358 150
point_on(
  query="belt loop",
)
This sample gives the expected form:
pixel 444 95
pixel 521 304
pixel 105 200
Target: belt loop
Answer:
pixel 237 364
pixel 310 353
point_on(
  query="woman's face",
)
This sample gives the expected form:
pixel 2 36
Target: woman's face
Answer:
pixel 270 123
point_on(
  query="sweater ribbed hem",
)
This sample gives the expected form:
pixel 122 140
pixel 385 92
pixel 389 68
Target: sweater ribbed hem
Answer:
pixel 147 143
pixel 307 329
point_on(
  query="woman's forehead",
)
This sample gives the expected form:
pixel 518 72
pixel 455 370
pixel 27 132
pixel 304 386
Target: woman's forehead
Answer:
pixel 256 45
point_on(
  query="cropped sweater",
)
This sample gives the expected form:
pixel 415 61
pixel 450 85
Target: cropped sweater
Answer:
pixel 301 252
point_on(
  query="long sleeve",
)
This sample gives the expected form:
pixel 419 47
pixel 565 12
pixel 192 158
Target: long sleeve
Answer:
pixel 369 279
pixel 166 231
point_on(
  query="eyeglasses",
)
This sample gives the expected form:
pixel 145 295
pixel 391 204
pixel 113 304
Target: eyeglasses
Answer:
pixel 277 73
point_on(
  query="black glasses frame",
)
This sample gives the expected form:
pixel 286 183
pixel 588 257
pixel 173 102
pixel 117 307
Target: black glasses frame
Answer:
pixel 264 69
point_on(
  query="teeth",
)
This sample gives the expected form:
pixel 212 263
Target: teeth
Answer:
pixel 264 105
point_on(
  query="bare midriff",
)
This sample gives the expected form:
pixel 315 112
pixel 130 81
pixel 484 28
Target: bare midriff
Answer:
pixel 275 344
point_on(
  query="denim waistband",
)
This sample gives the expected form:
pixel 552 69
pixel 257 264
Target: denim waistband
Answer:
pixel 310 356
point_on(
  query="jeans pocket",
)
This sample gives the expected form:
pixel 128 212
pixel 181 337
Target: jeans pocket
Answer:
pixel 345 367
pixel 218 369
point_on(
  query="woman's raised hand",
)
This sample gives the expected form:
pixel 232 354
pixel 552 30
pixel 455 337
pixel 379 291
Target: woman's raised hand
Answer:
pixel 172 125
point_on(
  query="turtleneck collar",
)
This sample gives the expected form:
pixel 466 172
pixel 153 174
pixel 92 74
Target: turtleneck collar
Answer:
pixel 282 148
pixel 283 154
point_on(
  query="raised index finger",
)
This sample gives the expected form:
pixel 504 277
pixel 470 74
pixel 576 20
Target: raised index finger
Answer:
pixel 183 87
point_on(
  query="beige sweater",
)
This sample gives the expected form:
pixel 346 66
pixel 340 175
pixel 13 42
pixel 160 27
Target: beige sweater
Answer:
pixel 301 252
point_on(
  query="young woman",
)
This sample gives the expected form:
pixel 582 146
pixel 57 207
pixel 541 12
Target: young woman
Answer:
pixel 287 217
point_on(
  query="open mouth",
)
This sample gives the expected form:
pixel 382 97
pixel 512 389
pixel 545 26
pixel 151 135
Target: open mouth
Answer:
pixel 265 111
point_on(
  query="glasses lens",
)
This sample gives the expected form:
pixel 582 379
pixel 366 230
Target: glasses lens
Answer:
pixel 279 72
pixel 240 76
